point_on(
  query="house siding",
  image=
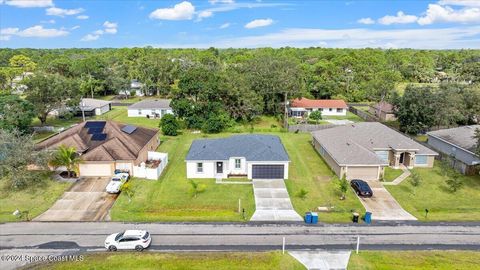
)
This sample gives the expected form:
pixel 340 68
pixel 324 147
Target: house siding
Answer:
pixel 336 168
pixel 150 112
pixel 460 155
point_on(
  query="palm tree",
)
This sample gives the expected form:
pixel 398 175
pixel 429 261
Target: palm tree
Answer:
pixel 68 157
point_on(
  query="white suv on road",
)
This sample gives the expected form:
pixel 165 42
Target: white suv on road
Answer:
pixel 129 239
pixel 117 182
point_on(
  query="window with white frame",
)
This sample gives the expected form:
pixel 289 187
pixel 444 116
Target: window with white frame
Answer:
pixel 140 111
pixel 339 110
pixel 199 167
pixel 238 163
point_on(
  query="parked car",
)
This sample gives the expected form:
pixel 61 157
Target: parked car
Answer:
pixel 117 182
pixel 361 188
pixel 129 239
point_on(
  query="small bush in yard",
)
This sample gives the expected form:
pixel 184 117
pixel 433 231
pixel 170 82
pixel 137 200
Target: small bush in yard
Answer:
pixel 169 125
pixel 415 181
pixel 302 194
pixel 196 188
pixel 343 187
pixel 454 182
pixel 315 115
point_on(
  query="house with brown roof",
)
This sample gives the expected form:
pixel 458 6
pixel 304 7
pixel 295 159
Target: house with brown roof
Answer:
pixel 302 107
pixel 106 146
pixel 383 111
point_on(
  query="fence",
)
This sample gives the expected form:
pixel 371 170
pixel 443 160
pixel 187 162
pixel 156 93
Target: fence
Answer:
pixel 364 115
pixel 308 127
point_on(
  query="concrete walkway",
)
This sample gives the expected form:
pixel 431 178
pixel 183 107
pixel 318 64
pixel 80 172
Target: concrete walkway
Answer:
pixel 406 173
pixel 322 259
pixel 272 202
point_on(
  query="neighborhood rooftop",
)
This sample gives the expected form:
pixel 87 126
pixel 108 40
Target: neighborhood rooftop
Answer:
pixel 459 136
pixel 253 147
pixel 102 140
pixel 89 104
pixel 356 143
pixel 151 104
pixel 318 103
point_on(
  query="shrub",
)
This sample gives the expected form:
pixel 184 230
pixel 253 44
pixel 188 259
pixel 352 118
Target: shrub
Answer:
pixel 415 180
pixel 454 182
pixel 315 115
pixel 196 188
pixel 302 194
pixel 343 187
pixel 169 125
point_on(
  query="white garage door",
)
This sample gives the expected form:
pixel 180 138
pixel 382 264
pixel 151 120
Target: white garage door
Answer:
pixel 95 169
pixel 364 173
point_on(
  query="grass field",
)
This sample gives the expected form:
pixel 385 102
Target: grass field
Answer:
pixel 191 261
pixel 433 194
pixel 391 174
pixel 414 260
pixel 35 199
pixel 350 116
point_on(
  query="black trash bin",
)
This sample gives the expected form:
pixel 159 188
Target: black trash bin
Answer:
pixel 355 217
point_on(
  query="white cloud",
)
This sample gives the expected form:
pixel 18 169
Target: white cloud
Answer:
pixel 214 2
pixel 466 3
pixel 423 38
pixel 75 27
pixel 108 24
pixel 111 30
pixel 34 31
pixel 366 21
pixel 204 14
pixel 82 17
pixel 258 23
pixel 29 3
pixel 225 25
pixel 90 37
pixel 399 18
pixel 437 13
pixel 98 32
pixel 54 11
pixel 4 38
pixel 181 11
pixel 49 21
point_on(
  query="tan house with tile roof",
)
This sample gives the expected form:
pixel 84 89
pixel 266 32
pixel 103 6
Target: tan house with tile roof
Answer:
pixel 105 146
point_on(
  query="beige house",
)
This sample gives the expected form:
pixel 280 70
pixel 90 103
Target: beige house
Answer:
pixel 383 111
pixel 363 150
pixel 106 146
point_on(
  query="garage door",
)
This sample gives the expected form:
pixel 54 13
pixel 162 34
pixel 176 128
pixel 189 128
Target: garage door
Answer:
pixel 267 171
pixel 364 173
pixel 95 169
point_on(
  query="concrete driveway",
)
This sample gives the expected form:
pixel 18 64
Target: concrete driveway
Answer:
pixel 272 201
pixel 382 205
pixel 86 200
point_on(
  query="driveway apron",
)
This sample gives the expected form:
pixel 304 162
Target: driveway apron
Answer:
pixel 272 201
pixel 86 200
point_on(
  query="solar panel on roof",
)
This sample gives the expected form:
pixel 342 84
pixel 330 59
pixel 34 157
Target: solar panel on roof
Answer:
pixel 129 129
pixel 94 130
pixel 99 137
pixel 95 124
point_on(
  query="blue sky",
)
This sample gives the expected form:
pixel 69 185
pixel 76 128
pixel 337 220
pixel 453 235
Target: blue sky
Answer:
pixel 437 24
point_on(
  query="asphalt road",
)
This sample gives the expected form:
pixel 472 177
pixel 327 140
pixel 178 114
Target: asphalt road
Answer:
pixel 40 238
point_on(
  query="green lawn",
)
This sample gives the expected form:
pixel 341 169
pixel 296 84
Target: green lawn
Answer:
pixel 413 260
pixel 434 195
pixel 169 198
pixel 308 171
pixel 35 199
pixel 119 114
pixel 350 116
pixel 38 137
pixel 421 138
pixel 391 174
pixel 191 261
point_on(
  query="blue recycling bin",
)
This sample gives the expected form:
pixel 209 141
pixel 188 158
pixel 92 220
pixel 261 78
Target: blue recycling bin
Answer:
pixel 314 218
pixel 308 217
pixel 368 217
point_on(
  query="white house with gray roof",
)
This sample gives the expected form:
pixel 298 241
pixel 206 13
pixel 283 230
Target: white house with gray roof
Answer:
pixel 459 144
pixel 150 108
pixel 252 156
pixel 363 150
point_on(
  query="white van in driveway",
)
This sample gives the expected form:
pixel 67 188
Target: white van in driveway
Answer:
pixel 129 239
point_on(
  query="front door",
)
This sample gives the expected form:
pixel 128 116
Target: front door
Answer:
pixel 219 167
pixel 402 157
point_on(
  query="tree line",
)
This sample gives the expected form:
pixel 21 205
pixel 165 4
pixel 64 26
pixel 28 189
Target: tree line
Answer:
pixel 212 88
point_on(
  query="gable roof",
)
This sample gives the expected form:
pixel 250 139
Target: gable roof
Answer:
pixel 461 137
pixel 92 103
pixel 356 144
pixel 318 103
pixel 151 104
pixel 253 147
pixel 384 107
pixel 117 145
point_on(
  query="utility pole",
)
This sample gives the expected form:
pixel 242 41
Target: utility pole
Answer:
pixel 82 107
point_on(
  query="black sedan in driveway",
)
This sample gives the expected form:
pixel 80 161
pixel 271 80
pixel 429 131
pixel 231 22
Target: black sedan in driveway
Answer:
pixel 361 188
